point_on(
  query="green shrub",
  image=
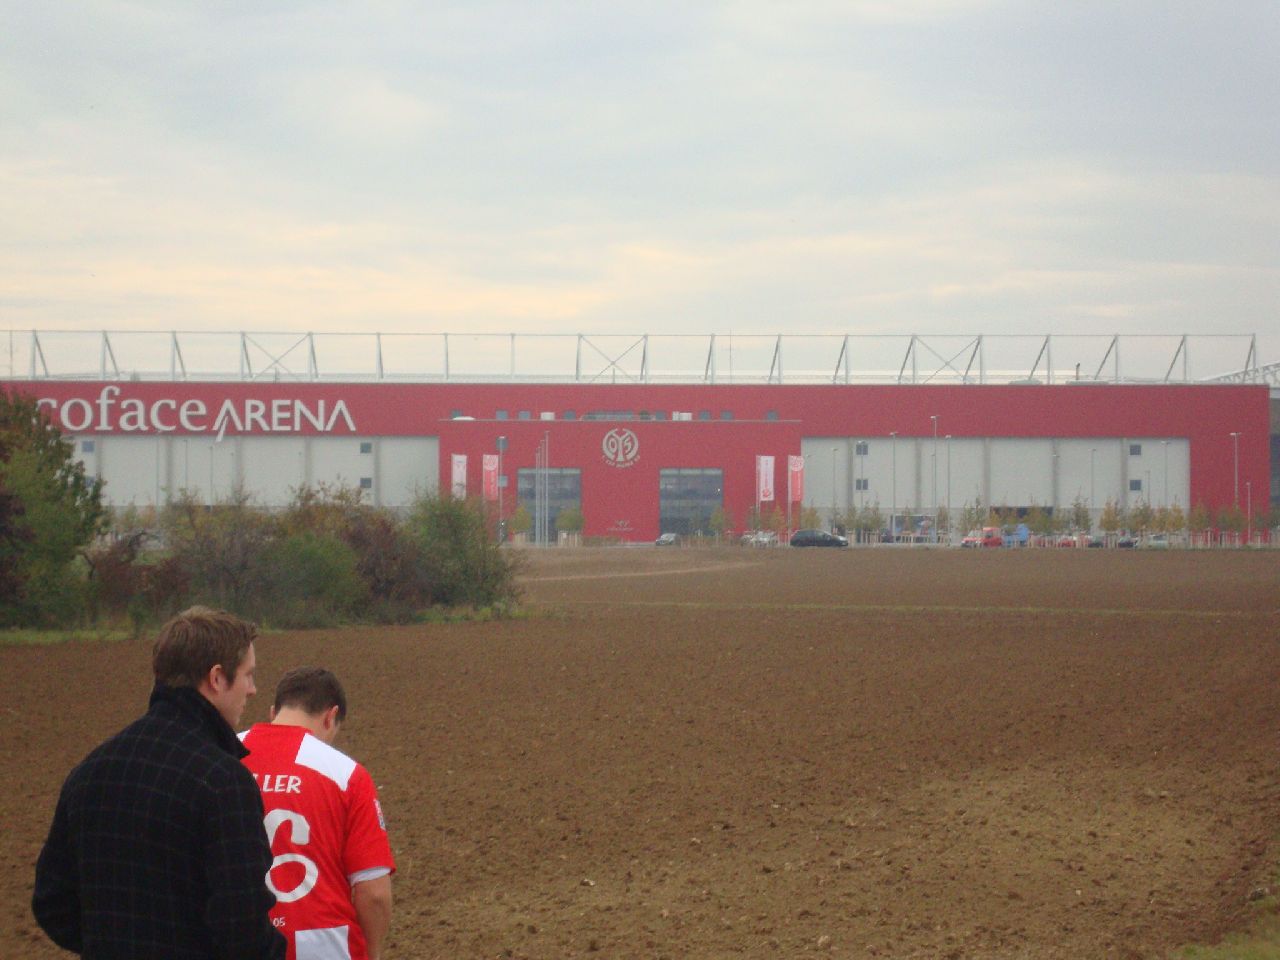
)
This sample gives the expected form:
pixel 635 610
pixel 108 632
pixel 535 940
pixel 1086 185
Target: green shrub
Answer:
pixel 307 580
pixel 460 563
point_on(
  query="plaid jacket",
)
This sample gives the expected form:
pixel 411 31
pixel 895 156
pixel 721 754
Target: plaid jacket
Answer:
pixel 157 848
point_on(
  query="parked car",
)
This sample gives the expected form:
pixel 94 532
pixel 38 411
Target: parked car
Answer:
pixel 986 537
pixel 1095 542
pixel 1158 541
pixel 667 540
pixel 1126 543
pixel 818 538
pixel 760 538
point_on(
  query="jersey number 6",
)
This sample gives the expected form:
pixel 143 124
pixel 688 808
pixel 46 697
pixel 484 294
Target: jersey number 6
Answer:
pixel 301 834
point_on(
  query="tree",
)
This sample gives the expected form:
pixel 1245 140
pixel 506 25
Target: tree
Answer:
pixel 221 548
pixel 1111 519
pixel 569 520
pixel 1175 521
pixel 944 523
pixel 1081 516
pixel 719 522
pixel 1142 516
pixel 521 520
pixel 972 516
pixel 461 564
pixel 1231 518
pixel 1200 520
pixel 1038 521
pixel 810 519
pixel 53 511
pixel 871 520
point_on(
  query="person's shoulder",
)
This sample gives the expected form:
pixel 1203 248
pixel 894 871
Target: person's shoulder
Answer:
pixel 327 760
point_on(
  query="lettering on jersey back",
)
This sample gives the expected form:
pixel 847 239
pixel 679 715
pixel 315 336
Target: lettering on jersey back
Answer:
pixel 278 782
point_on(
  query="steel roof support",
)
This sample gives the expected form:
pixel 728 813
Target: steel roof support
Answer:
pixel 1182 346
pixel 843 357
pixel 37 351
pixel 108 354
pixel 175 357
pixel 1112 347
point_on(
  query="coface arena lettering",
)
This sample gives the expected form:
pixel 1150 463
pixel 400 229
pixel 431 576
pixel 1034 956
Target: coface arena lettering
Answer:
pixel 110 412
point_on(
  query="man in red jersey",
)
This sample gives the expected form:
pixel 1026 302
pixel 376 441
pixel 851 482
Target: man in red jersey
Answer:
pixel 332 869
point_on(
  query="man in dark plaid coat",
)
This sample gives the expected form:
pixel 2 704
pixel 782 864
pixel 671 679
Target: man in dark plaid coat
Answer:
pixel 157 848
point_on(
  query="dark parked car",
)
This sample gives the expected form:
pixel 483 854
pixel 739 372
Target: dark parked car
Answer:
pixel 817 538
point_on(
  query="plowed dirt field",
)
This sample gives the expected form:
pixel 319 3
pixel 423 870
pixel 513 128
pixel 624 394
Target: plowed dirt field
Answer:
pixel 699 754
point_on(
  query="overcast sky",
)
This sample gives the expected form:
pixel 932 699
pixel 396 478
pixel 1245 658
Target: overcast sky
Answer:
pixel 867 166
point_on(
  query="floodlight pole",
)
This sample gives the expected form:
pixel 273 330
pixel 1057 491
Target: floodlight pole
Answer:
pixel 502 528
pixel 833 489
pixel 949 523
pixel 1235 442
pixel 934 418
pixel 893 508
pixel 1165 444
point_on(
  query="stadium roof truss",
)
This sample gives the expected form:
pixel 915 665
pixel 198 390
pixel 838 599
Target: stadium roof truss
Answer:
pixel 637 358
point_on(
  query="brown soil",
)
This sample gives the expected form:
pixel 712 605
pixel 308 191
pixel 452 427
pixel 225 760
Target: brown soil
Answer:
pixel 696 754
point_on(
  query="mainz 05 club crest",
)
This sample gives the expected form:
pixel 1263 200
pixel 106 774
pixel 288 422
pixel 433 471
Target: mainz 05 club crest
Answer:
pixel 621 448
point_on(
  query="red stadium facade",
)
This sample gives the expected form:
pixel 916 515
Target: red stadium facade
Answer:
pixel 626 444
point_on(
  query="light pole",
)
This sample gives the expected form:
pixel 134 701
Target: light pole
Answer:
pixel 833 488
pixel 1165 503
pixel 1248 492
pixel 893 498
pixel 934 418
pixel 1092 451
pixel 1235 441
pixel 502 523
pixel 948 439
pixel 861 472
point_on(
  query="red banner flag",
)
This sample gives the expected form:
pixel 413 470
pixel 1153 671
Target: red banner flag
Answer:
pixel 796 479
pixel 764 479
pixel 489 465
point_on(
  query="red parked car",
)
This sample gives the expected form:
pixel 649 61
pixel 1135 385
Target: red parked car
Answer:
pixel 986 537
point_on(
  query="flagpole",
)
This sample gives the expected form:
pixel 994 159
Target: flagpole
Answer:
pixel 788 498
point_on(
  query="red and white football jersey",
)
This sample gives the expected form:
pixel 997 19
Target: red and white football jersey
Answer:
pixel 326 831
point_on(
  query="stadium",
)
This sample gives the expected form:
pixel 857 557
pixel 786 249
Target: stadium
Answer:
pixel 652 434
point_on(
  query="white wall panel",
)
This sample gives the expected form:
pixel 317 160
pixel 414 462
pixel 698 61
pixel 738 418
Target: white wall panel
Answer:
pixel 409 467
pixel 273 468
pixel 338 461
pixel 1021 472
pixel 134 470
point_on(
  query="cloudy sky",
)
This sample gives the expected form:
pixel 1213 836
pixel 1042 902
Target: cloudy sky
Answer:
pixel 863 167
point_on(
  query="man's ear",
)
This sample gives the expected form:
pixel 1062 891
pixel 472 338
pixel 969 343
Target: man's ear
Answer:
pixel 216 678
pixel 271 713
pixel 331 718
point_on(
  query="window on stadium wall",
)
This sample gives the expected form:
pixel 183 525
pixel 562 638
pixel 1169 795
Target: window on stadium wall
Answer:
pixel 688 498
pixel 564 490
